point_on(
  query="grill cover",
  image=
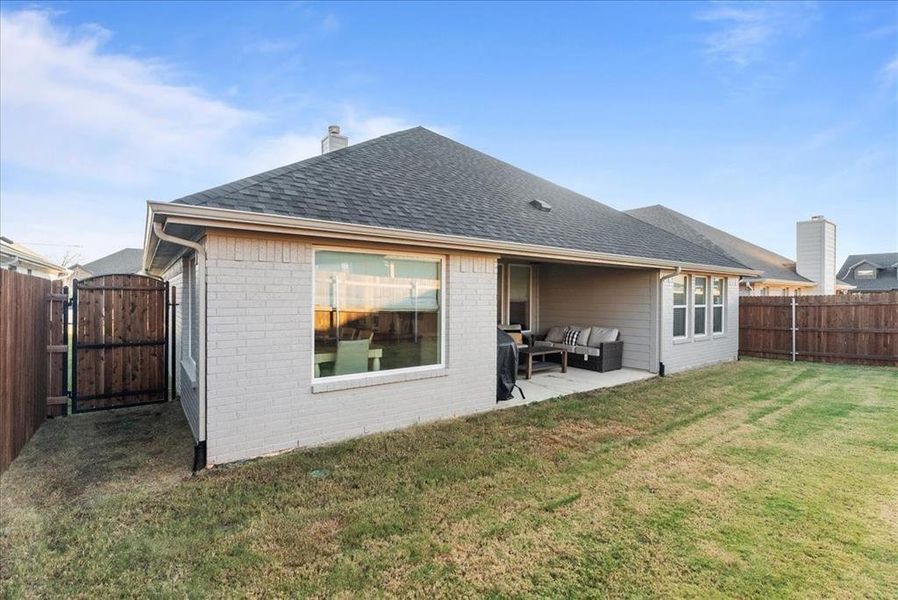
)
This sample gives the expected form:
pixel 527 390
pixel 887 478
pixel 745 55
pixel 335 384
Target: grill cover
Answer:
pixel 506 365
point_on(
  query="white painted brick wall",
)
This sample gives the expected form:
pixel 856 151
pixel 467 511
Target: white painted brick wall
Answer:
pixel 691 353
pixel 260 396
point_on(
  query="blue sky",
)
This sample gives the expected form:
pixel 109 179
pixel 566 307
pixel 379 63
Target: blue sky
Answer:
pixel 746 116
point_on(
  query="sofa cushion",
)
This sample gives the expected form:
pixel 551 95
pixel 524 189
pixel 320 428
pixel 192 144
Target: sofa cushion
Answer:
pixel 589 351
pixel 555 334
pixel 598 335
pixel 583 340
pixel 543 344
pixel 571 336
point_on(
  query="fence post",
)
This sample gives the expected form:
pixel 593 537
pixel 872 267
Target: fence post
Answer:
pixel 793 328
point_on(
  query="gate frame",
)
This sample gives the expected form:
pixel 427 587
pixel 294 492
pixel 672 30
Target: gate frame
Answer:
pixel 163 341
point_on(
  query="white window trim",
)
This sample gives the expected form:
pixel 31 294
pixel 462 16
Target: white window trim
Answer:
pixel 377 376
pixel 694 306
pixel 188 274
pixel 687 282
pixel 723 306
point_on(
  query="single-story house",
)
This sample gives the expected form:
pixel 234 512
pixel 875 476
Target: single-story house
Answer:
pixel 871 272
pixel 127 261
pixel 813 272
pixel 405 252
pixel 16 257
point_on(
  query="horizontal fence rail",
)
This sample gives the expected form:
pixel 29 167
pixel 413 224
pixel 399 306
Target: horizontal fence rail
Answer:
pixel 853 328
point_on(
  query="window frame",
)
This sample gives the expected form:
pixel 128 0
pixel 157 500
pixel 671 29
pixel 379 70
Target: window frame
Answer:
pixel 722 305
pixel 687 282
pixel 869 273
pixel 704 305
pixel 383 373
pixel 507 303
pixel 189 315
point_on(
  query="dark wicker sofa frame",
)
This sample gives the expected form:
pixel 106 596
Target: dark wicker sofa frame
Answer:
pixel 610 357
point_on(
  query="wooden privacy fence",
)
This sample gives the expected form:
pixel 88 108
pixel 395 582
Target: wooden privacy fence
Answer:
pixel 853 328
pixel 32 358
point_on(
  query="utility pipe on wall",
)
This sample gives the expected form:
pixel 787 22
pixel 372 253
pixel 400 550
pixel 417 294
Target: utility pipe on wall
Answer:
pixel 199 460
pixel 661 281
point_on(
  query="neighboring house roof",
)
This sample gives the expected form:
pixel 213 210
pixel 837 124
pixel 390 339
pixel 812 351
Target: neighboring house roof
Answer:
pixel 774 266
pixel 123 262
pixel 12 253
pixel 886 265
pixel 420 181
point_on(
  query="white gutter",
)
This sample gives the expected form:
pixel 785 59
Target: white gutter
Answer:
pixel 202 216
pixel 201 289
pixel 661 281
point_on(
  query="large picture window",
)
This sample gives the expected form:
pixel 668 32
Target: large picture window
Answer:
pixel 718 286
pixel 679 306
pixel 376 312
pixel 699 304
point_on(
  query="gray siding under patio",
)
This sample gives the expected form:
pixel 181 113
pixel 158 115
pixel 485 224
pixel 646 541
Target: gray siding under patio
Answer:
pixel 606 296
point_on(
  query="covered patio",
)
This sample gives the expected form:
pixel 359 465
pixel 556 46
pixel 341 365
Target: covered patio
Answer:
pixel 538 296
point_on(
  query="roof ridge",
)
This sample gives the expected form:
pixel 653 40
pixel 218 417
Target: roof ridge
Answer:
pixel 245 182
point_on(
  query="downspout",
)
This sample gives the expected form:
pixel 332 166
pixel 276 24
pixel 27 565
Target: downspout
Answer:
pixel 661 281
pixel 199 449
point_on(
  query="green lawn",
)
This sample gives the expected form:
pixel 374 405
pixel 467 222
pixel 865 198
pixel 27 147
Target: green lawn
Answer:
pixel 753 479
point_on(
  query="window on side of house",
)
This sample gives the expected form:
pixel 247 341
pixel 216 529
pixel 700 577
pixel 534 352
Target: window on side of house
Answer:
pixel 190 317
pixel 865 273
pixel 519 294
pixel 376 312
pixel 680 305
pixel 718 290
pixel 700 304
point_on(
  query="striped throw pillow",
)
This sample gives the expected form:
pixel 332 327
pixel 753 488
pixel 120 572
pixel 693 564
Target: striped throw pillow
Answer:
pixel 571 336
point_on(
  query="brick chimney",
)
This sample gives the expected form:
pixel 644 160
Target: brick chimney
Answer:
pixel 815 256
pixel 333 141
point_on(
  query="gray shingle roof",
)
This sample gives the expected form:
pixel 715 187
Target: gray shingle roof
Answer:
pixel 773 265
pixel 886 273
pixel 125 261
pixel 421 181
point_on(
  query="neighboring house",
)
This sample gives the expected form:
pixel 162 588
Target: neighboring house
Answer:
pixel 405 252
pixel 127 261
pixel 871 272
pixel 814 271
pixel 17 257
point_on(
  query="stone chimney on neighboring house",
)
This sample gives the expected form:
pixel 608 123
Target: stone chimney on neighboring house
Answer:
pixel 815 256
pixel 333 141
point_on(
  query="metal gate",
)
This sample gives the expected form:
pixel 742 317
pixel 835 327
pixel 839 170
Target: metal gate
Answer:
pixel 119 349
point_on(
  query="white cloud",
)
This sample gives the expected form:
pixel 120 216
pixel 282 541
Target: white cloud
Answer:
pixel 744 31
pixel 77 119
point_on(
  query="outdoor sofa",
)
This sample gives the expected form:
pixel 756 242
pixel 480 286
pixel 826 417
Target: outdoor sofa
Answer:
pixel 594 347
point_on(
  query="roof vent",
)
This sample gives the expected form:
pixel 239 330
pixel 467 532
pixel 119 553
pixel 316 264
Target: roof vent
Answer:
pixel 818 218
pixel 540 205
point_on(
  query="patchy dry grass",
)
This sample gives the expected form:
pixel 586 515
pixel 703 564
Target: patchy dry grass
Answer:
pixel 752 479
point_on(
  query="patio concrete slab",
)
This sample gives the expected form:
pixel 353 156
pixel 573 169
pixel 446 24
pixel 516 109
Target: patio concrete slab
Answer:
pixel 551 384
